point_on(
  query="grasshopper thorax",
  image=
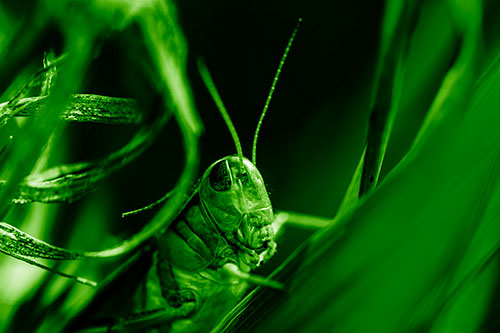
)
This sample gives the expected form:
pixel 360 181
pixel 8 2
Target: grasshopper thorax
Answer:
pixel 234 197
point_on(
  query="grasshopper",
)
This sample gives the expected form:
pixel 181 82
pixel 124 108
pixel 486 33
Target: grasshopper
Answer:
pixel 201 265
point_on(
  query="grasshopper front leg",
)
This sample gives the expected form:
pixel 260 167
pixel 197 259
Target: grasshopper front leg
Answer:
pixel 298 220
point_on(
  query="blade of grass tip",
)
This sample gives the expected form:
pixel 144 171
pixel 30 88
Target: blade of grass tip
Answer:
pixel 396 29
pixel 351 195
pixel 21 246
pixel 382 117
pixel 32 262
pixel 168 50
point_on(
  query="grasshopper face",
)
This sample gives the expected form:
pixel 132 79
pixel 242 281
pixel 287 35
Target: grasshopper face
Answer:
pixel 235 198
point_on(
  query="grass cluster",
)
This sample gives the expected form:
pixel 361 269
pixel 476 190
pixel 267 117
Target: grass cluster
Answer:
pixel 414 243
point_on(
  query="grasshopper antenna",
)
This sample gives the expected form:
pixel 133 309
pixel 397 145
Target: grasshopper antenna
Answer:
pixel 209 83
pixel 271 91
pixel 150 206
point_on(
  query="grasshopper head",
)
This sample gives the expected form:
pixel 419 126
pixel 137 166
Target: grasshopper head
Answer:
pixel 235 198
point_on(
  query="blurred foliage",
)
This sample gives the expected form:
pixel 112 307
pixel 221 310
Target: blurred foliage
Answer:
pixel 386 113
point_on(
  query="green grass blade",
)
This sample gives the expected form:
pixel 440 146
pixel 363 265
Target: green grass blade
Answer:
pixel 397 27
pixel 14 241
pixel 82 108
pixel 351 195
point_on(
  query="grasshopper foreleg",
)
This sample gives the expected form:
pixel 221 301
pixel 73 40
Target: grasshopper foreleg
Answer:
pixel 302 221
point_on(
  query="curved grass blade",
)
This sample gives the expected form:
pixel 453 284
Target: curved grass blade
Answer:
pixel 82 108
pixel 14 241
pixel 22 246
pixel 67 183
pixel 78 279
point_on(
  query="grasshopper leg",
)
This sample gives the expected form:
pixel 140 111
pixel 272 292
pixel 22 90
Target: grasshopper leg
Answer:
pixel 302 221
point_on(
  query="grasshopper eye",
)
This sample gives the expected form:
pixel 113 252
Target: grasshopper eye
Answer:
pixel 220 176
